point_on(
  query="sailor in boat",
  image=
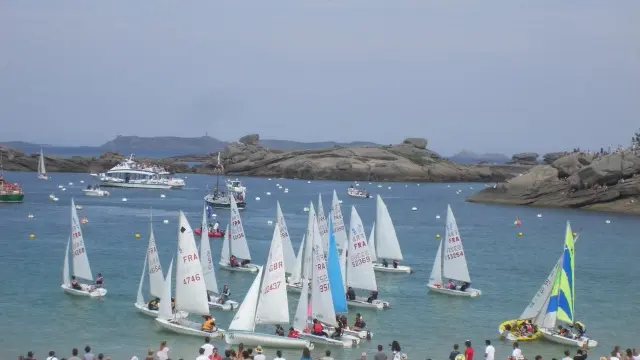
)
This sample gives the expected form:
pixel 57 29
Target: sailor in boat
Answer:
pixel 351 294
pixel 74 284
pixel 173 304
pixel 451 285
pixel 580 328
pixel 216 227
pixel 358 323
pixel 233 261
pixel 154 304
pixel 318 329
pixel 337 334
pixel 209 323
pixel 395 264
pixel 293 333
pixel 279 330
pixel 372 296
pixel 465 285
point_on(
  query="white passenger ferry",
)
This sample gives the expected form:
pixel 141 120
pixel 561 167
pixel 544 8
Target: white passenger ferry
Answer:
pixel 130 174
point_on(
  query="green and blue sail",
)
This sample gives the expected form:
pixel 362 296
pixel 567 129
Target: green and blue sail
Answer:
pixel 562 299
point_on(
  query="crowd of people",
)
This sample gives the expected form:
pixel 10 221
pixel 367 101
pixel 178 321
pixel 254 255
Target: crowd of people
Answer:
pixel 209 351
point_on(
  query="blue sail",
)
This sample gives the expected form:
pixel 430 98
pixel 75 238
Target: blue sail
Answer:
pixel 335 276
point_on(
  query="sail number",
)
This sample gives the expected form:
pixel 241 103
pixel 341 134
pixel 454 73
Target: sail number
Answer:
pixel 78 251
pixel 454 255
pixel 209 261
pixel 189 258
pixel 324 287
pixel 360 259
pixel 191 279
pixel 275 266
pixel 237 236
pixel 152 250
pixel 271 287
pixel 454 239
pixel 154 268
pixel 338 228
pixel 76 234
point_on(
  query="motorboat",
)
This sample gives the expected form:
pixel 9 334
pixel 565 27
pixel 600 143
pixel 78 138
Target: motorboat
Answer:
pixel 211 233
pixel 95 191
pixel 131 174
pixel 359 193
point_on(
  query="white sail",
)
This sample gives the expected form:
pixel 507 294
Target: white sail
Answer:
pixel 296 273
pixel 156 278
pixel 386 240
pixel 80 260
pixel 372 243
pixel 140 298
pixel 321 300
pixel 237 240
pixel 343 258
pixel 164 308
pixel 301 318
pixel 307 260
pixel 323 227
pixel 245 318
pixel 339 230
pixel 41 168
pixel 454 261
pixel 287 247
pixel 206 258
pixel 191 291
pixel 65 267
pixel 273 304
pixel 436 270
pixel 225 254
pixel 360 273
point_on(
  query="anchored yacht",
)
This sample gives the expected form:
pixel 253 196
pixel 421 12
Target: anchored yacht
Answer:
pixel 131 174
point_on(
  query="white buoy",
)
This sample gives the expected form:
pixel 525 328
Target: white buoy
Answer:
pixel 286 190
pixel 278 185
pixel 55 199
pixel 214 215
pixel 339 201
pixel 470 187
pixel 257 198
pixel 51 196
pixel 79 207
pixel 418 184
pixel 165 221
pixel 539 215
pixel 64 189
pixel 270 222
pixel 124 199
pixel 608 222
pixel 379 186
pixel 308 182
pixel 389 187
pixel 414 209
pixel 369 183
pixel 448 185
pixel 70 184
pixel 30 216
pixel 358 184
pixel 268 193
pixel 163 196
pixel 306 209
pixel 81 181
pixel 437 216
pixel 269 179
pixel 60 186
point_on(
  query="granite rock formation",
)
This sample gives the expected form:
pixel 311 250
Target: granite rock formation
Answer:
pixel 526 158
pixel 576 180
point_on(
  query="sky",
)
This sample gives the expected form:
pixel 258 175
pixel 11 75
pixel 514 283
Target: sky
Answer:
pixel 488 76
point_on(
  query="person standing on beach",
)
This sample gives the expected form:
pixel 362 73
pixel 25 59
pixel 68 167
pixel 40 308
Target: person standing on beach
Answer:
pixel 468 352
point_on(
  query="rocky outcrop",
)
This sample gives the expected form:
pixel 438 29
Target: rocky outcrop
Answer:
pixel 409 161
pixel 576 180
pixel 549 158
pixel 526 158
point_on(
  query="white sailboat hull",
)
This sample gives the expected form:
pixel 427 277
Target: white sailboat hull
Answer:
pixel 100 292
pixel 248 268
pixel 43 177
pixel 346 341
pixel 361 302
pixel 143 308
pixel 553 336
pixel 235 337
pixel 228 305
pixel 362 334
pixel 186 327
pixel 469 292
pixel 401 269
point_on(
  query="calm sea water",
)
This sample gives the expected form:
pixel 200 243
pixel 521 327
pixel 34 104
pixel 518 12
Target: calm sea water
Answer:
pixel 38 316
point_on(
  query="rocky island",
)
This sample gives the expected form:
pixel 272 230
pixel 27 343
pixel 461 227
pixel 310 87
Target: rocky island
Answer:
pixel 596 181
pixel 408 161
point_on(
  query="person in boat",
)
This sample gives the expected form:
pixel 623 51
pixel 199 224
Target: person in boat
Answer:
pixel 337 334
pixel 245 262
pixel 358 323
pixel 465 285
pixel 343 321
pixel 173 304
pixel 317 329
pixel 580 328
pixel 89 187
pixel 216 227
pixel 293 333
pixel 351 294
pixel 226 293
pixel 74 284
pixel 209 323
pixel 372 296
pixel 233 261
pixel 395 264
pixel 385 263
pixel 279 330
pixel 99 281
pixel 451 285
pixel 153 304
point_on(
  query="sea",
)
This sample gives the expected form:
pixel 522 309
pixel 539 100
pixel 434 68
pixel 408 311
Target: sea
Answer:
pixel 36 315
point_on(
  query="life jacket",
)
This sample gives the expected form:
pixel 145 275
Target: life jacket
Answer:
pixel 293 334
pixel 317 327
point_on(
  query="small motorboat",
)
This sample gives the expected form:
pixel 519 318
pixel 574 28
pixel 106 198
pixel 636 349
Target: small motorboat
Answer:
pixel 360 193
pixel 212 233
pixel 95 191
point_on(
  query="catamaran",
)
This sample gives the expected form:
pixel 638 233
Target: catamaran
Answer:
pixel 235 244
pixel 451 264
pixel 322 303
pixel 42 172
pixel 265 305
pixel 156 279
pixel 191 290
pixel 561 304
pixel 80 262
pixel 386 241
pixel 215 299
pixel 359 267
pixel 534 312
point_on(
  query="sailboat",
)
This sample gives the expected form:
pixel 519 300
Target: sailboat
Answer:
pixel 80 262
pixel 156 278
pixel 235 244
pixel 214 297
pixel 323 225
pixel 359 267
pixel 386 241
pixel 191 290
pixel 265 305
pixel 42 172
pixel 561 304
pixel 451 263
pixel 294 282
pixel 339 230
pixel 371 243
pixel 322 306
pixel 535 311
pixel 287 247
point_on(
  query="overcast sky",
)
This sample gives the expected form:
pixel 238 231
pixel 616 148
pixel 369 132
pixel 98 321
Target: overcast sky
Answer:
pixel 489 76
